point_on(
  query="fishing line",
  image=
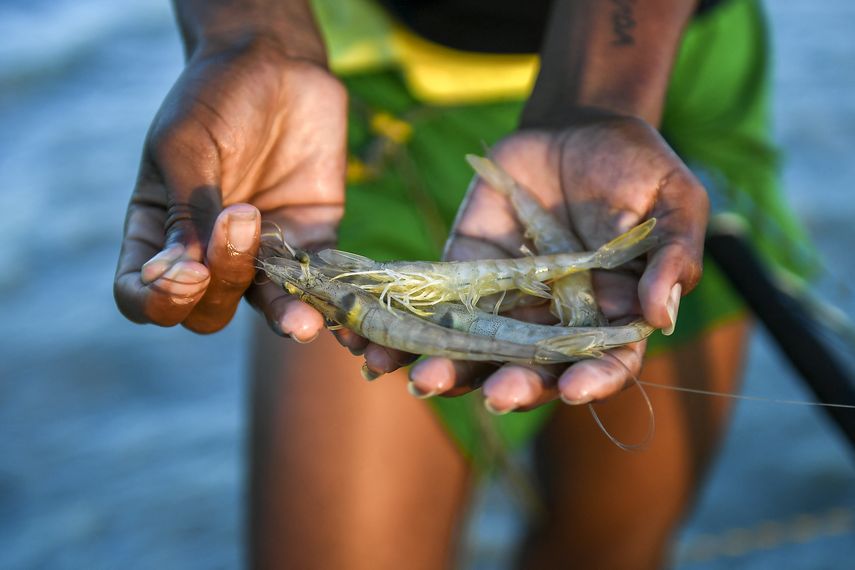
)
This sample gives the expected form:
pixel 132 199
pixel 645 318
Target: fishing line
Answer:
pixel 744 397
pixel 651 421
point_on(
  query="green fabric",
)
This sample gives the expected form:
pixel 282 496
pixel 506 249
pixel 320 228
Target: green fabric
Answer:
pixel 716 117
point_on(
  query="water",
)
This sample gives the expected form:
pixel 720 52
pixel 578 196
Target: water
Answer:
pixel 123 445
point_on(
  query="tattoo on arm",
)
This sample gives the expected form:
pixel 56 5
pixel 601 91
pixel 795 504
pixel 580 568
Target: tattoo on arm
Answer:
pixel 623 22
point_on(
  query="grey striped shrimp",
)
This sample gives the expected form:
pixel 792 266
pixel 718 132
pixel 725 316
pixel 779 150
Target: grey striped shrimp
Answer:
pixel 358 310
pixel 573 300
pixel 456 316
pixel 417 285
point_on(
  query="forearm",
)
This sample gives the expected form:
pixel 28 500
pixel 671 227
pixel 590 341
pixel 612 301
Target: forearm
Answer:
pixel 614 55
pixel 210 25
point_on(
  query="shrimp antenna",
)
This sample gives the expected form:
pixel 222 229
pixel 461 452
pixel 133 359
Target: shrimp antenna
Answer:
pixel 651 417
pixel 277 234
pixel 744 397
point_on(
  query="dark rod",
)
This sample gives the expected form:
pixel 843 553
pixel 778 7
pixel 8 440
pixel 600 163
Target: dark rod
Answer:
pixel 789 324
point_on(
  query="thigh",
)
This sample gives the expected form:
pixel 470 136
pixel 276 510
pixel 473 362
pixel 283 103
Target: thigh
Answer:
pixel 609 508
pixel 345 473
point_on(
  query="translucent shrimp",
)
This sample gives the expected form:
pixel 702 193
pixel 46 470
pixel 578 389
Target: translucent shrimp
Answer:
pixel 366 315
pixel 456 316
pixel 417 285
pixel 573 300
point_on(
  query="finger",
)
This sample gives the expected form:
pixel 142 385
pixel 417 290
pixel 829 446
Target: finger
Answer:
pixel 304 226
pixel 231 261
pixel 675 267
pixel 161 275
pixel 599 378
pixel 381 360
pixel 155 284
pixel 351 341
pixel 671 271
pixel 437 376
pixel 286 315
pixel 187 162
pixel 518 388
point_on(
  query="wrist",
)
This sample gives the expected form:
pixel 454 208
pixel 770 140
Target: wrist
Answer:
pixel 263 42
pixel 611 55
pixel 283 27
pixel 563 114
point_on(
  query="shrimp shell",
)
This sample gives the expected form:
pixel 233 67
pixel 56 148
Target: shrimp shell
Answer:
pixel 456 316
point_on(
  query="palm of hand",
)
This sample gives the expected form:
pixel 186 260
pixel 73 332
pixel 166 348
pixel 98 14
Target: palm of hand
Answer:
pixel 600 179
pixel 255 130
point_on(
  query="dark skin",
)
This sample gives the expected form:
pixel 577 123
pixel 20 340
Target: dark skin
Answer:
pixel 255 129
pixel 242 135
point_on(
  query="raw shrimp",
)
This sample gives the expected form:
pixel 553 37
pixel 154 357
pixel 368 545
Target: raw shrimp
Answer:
pixel 573 300
pixel 367 316
pixel 419 284
pixel 456 316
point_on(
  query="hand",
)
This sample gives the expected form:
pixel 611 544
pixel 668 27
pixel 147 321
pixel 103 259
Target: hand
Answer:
pixel 255 131
pixel 601 176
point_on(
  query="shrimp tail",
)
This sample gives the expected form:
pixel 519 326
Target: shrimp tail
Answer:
pixel 572 346
pixel 627 246
pixel 591 344
pixel 496 177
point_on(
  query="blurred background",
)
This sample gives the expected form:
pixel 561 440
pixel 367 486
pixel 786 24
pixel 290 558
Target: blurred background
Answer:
pixel 123 445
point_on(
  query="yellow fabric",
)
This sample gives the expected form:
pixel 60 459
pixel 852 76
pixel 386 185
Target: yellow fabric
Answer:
pixel 361 37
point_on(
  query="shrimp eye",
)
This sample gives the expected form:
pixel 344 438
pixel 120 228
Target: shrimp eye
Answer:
pixel 302 257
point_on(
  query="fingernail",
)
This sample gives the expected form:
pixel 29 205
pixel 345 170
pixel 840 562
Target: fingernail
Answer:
pixel 155 267
pixel 181 273
pixel 305 340
pixel 241 230
pixel 416 393
pixel 369 374
pixel 672 306
pixel 495 411
pixel 583 400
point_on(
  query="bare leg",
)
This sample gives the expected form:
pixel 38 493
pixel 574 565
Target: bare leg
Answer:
pixel 616 509
pixel 346 474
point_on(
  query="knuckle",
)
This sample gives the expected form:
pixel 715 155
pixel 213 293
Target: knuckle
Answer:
pixel 700 198
pixel 692 273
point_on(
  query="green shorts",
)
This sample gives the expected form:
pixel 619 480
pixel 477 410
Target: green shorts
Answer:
pixel 409 178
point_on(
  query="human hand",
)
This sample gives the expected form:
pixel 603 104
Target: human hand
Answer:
pixel 600 176
pixel 246 133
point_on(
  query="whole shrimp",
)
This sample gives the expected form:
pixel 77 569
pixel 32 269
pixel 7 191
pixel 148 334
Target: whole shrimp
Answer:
pixel 573 300
pixel 419 284
pixel 456 316
pixel 358 310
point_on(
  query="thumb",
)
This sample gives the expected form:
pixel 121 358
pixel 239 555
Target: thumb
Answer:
pixel 173 280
